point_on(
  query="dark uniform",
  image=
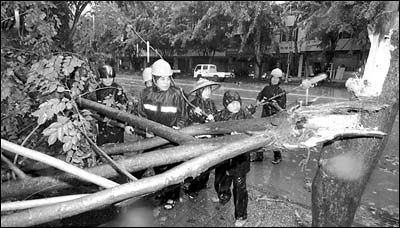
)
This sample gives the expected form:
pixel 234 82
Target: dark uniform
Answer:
pixel 234 169
pixel 208 106
pixel 269 110
pixel 114 97
pixel 167 108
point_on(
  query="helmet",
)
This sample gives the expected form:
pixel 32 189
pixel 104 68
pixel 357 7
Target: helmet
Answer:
pixel 147 74
pixel 230 96
pixel 277 73
pixel 202 83
pixel 161 68
pixel 106 71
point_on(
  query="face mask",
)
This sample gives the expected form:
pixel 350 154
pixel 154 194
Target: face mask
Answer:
pixel 107 81
pixel 234 106
pixel 163 83
pixel 206 94
pixel 274 81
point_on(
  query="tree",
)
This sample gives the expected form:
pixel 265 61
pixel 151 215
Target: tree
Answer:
pixel 255 22
pixel 328 19
pixel 27 34
pixel 69 13
pixel 337 188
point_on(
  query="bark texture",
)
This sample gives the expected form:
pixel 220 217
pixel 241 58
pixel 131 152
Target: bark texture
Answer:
pixel 345 166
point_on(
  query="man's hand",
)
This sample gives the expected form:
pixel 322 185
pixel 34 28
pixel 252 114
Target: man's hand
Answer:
pixel 149 134
pixel 258 102
pixel 210 118
pixel 198 110
pixel 129 130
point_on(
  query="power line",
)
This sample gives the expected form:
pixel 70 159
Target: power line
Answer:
pixel 131 27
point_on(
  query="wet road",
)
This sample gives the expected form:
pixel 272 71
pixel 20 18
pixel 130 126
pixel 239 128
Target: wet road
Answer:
pixel 287 180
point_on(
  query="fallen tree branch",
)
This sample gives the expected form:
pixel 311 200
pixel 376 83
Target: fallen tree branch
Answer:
pixel 109 160
pixel 158 129
pixel 11 147
pixel 25 141
pixel 14 168
pixel 25 204
pixel 135 163
pixel 290 131
pixel 175 175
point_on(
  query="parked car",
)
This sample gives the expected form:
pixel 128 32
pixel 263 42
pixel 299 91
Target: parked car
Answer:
pixel 210 71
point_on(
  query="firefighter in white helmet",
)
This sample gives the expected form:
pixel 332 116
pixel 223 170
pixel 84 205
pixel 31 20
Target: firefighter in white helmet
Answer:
pixel 147 77
pixel 267 92
pixel 164 104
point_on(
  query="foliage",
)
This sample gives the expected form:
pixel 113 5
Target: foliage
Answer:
pixel 327 19
pixel 62 78
pixel 27 33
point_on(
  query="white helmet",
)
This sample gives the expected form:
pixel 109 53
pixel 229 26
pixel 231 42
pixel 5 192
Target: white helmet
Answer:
pixel 277 72
pixel 147 74
pixel 161 68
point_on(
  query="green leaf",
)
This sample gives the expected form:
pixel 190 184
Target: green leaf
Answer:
pixel 74 140
pixel 62 119
pixel 60 89
pixel 52 87
pixel 60 133
pixel 52 138
pixel 68 158
pixel 67 145
pixel 61 106
pixel 69 105
pixel 42 118
pixel 55 125
pixel 48 131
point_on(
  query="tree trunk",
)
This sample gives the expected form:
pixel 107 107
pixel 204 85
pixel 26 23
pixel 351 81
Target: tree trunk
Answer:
pixel 159 129
pixel 346 166
pixel 132 164
pixel 176 175
pixel 303 127
pixel 258 54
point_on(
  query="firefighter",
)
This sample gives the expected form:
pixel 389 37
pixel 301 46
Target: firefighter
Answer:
pixel 147 77
pixel 164 104
pixel 110 94
pixel 268 110
pixel 233 170
pixel 204 112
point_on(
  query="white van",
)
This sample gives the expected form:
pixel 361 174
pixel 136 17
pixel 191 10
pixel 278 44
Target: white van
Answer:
pixel 210 71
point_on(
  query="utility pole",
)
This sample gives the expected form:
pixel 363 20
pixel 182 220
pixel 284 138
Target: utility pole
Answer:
pixel 148 52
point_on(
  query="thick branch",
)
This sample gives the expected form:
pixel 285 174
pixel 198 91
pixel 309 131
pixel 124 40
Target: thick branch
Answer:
pixel 14 168
pixel 56 163
pixel 302 128
pixel 176 175
pixel 156 128
pixel 132 164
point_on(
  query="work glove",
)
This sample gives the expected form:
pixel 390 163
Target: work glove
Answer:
pixel 210 118
pixel 198 111
pixel 129 130
pixel 176 127
pixel 252 108
pixel 149 134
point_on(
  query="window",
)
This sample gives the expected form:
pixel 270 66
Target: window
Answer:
pixel 283 36
pixel 344 35
pixel 197 68
pixel 205 67
pixel 213 69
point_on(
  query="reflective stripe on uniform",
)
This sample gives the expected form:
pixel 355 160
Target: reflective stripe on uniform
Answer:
pixel 150 107
pixel 168 109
